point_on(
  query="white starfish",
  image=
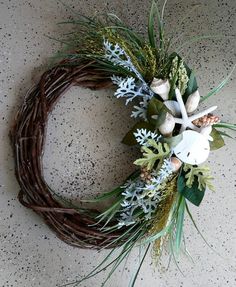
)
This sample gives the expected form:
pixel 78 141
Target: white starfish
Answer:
pixel 186 120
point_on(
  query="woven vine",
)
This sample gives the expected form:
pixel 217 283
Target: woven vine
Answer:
pixel 72 225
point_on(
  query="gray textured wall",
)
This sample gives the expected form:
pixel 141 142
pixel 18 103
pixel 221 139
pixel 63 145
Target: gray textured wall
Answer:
pixel 81 128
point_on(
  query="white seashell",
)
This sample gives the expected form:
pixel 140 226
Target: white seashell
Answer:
pixel 192 102
pixel 206 131
pixel 168 125
pixel 193 149
pixel 173 106
pixel 160 87
pixel 176 163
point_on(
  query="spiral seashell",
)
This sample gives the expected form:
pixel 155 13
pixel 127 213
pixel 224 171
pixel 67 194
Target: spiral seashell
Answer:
pixel 168 125
pixel 176 163
pixel 160 87
pixel 192 102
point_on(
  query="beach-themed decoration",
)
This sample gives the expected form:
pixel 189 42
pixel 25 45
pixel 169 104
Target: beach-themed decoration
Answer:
pixel 174 133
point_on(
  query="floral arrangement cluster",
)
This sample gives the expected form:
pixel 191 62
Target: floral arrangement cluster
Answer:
pixel 174 136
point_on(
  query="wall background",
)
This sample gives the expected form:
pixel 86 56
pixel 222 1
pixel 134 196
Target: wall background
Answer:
pixel 83 152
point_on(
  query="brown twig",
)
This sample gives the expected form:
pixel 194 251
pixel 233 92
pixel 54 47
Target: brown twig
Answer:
pixel 28 135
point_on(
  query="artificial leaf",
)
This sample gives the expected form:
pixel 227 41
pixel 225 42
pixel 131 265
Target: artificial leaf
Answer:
pixel 193 193
pixel 202 173
pixel 149 157
pixel 223 125
pixel 173 81
pixel 218 140
pixel 219 87
pixel 179 223
pixel 154 13
pixel 225 134
pixel 129 138
pixel 173 141
pixel 151 32
pixel 156 108
pixel 192 84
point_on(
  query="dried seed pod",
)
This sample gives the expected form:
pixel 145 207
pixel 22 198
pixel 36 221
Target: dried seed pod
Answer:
pixel 168 126
pixel 145 174
pixel 206 120
pixel 160 87
pixel 192 102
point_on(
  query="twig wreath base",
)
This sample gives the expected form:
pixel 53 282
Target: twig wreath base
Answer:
pixel 174 138
pixel 28 137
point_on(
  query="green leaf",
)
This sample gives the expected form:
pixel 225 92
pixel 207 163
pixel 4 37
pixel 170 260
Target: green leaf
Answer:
pixel 106 195
pixel 133 280
pixel 219 87
pixel 179 223
pixel 225 126
pixel 156 107
pixel 151 31
pixel 218 140
pixel 149 157
pixel 225 134
pixel 196 39
pixel 198 230
pixel 192 83
pixel 201 173
pixel 173 141
pixel 159 234
pixel 154 12
pixel 173 81
pixel 129 138
pixel 193 194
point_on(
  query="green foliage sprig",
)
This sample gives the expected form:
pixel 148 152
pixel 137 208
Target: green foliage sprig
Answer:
pixel 203 175
pixel 150 157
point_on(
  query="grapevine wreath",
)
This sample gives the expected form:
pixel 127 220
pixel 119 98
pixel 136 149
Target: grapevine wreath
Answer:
pixel 149 207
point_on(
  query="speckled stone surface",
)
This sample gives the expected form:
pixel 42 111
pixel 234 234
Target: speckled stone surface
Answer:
pixel 83 153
